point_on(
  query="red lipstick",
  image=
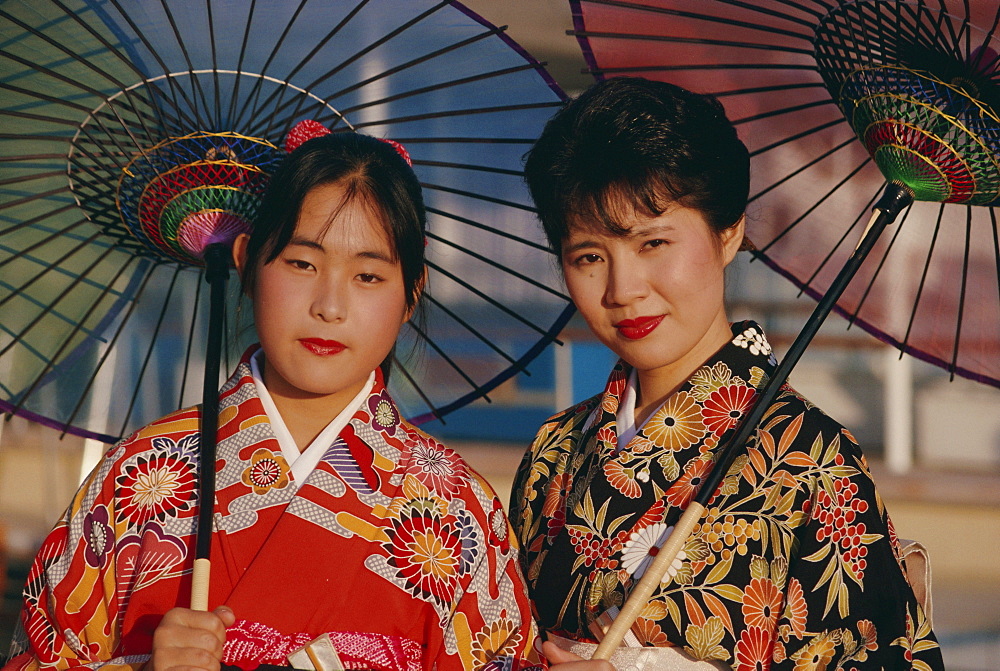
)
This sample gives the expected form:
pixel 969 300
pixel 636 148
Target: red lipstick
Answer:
pixel 640 327
pixel 322 347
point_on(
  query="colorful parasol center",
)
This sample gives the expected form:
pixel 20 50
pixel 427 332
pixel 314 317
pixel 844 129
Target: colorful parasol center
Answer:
pixel 928 123
pixel 188 192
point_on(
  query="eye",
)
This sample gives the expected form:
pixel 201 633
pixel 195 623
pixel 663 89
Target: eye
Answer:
pixel 586 259
pixel 369 278
pixel 653 244
pixel 299 264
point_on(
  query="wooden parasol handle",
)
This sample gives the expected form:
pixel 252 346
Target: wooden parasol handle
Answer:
pixel 640 594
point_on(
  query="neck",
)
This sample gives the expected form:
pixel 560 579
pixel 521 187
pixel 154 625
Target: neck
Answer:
pixel 305 418
pixel 657 385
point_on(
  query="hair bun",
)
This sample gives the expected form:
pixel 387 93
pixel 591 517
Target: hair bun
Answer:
pixel 302 132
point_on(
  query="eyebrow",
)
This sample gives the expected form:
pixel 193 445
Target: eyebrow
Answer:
pixel 364 254
pixel 638 232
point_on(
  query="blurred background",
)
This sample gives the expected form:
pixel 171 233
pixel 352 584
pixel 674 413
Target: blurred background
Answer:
pixel 933 443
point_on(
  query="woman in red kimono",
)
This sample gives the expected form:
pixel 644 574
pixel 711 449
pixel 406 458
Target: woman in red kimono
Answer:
pixel 641 187
pixel 333 516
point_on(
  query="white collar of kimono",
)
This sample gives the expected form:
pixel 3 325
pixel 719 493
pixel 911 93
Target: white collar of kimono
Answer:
pixel 625 420
pixel 303 463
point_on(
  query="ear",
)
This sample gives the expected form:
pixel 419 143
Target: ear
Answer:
pixel 418 291
pixel 732 239
pixel 240 254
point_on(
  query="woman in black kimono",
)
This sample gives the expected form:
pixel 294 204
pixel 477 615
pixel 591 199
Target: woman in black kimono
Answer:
pixel 641 188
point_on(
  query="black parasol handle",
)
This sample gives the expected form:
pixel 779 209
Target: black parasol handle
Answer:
pixel 216 273
pixel 893 200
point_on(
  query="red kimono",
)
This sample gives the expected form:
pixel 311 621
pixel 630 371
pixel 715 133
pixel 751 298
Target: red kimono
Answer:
pixel 392 545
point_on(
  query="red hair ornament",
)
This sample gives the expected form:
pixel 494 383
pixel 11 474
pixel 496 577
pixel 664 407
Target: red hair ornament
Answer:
pixel 308 129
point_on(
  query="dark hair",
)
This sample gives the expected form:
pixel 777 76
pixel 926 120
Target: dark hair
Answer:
pixel 367 168
pixel 634 146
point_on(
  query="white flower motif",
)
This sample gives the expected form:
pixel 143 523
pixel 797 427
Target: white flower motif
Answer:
pixel 753 340
pixel 643 545
pixel 643 475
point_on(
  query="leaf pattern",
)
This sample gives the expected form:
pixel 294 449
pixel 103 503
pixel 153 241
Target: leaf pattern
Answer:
pixel 775 573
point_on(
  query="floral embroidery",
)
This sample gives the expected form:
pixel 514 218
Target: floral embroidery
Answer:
pixel 677 424
pixel 497 640
pixel 643 546
pixel 470 539
pixel 724 407
pixel 753 651
pixel 623 479
pixel 437 467
pixel 154 485
pixel 649 633
pixel 100 537
pixel 498 526
pixel 869 639
pixel 385 417
pixel 761 603
pixel 753 340
pixel 144 559
pixel 425 550
pixel 687 486
pixel 796 609
pixel 817 655
pixel 267 470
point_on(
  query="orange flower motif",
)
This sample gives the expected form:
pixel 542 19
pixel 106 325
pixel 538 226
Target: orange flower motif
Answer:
pixel 761 604
pixel 677 424
pixel 869 636
pixel 622 479
pixel 607 439
pixel 495 641
pixel 796 609
pixel 816 656
pixel 753 650
pixel 650 633
pixel 682 491
pixel 556 494
pixel 724 407
pixel 267 470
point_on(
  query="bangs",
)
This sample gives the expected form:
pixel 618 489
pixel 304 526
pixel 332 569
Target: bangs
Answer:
pixel 358 192
pixel 610 207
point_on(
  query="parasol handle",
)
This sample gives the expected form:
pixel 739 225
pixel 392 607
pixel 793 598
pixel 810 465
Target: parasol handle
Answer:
pixel 893 200
pixel 641 593
pixel 216 273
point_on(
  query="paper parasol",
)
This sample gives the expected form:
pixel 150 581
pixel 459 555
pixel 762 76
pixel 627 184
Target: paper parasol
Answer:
pixel 917 82
pixel 135 133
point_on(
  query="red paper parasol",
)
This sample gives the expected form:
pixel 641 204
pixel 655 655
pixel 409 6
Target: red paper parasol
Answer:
pixel 916 82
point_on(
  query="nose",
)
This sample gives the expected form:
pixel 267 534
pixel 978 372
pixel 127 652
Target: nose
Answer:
pixel 330 300
pixel 625 284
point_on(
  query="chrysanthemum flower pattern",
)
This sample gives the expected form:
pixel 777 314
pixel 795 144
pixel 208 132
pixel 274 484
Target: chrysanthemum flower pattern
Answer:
pixel 154 485
pixel 677 424
pixel 426 551
pixel 438 467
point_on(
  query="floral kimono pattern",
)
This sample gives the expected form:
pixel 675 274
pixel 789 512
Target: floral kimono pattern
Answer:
pixel 391 545
pixel 794 565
